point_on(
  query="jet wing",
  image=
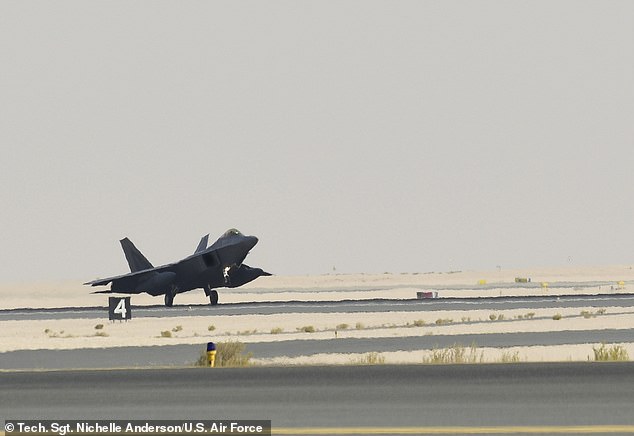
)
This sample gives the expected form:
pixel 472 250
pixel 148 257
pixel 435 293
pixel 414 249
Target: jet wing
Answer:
pixel 135 275
pixel 104 282
pixel 154 281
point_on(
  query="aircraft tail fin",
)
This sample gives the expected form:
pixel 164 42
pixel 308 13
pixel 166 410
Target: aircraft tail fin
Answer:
pixel 202 245
pixel 136 260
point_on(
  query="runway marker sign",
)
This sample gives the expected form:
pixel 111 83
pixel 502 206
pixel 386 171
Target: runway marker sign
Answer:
pixel 119 308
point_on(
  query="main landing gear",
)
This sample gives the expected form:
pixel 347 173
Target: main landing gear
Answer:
pixel 169 296
pixel 169 299
pixel 213 297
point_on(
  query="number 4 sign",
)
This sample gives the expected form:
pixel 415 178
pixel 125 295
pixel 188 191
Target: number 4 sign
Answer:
pixel 119 308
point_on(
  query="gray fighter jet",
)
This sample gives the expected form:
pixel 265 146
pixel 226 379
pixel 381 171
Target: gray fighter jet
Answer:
pixel 217 266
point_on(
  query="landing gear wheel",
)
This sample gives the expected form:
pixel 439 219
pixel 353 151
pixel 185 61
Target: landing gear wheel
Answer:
pixel 213 297
pixel 169 299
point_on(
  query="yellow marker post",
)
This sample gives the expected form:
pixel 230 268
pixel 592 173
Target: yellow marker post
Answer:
pixel 545 285
pixel 482 282
pixel 211 354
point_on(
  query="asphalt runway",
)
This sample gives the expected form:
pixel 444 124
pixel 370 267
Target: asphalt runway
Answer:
pixel 185 355
pixel 351 306
pixel 541 397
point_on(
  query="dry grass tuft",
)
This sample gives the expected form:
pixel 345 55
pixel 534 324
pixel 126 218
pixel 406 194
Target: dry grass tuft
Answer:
pixel 615 353
pixel 372 358
pixel 455 354
pixel 228 354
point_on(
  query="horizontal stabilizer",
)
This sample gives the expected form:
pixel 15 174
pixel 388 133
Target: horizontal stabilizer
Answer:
pixel 103 292
pixel 136 260
pixel 99 282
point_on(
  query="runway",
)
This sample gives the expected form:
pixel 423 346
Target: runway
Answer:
pixel 185 354
pixel 542 398
pixel 348 306
pixel 538 396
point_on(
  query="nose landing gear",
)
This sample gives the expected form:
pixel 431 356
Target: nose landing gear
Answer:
pixel 212 294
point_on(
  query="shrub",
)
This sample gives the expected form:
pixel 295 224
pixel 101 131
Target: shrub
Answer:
pixel 54 334
pixel 372 358
pixel 441 321
pixel 178 328
pixel 508 357
pixel 228 354
pixel 419 323
pixel 232 354
pixel 529 315
pixel 166 334
pixel 211 328
pixel 99 327
pixel 276 330
pixel 307 329
pixel 557 316
pixel 493 317
pixel 343 326
pixel 359 326
pixel 454 354
pixel 616 353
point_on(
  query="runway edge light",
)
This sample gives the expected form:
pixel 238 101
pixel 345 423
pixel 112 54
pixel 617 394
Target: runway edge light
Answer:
pixel 211 354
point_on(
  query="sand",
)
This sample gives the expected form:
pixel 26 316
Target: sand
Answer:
pixel 332 287
pixel 84 333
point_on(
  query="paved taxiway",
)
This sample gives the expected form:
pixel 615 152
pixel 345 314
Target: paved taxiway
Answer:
pixel 348 306
pixel 541 394
pixel 178 355
pixel 185 355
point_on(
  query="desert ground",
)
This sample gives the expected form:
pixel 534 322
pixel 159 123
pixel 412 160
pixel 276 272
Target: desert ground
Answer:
pixel 66 334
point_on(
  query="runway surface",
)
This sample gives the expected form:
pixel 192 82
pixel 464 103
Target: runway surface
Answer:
pixel 350 306
pixel 182 355
pixel 539 396
pixel 185 355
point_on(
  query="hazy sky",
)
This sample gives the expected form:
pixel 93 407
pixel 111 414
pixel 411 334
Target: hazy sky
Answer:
pixel 369 136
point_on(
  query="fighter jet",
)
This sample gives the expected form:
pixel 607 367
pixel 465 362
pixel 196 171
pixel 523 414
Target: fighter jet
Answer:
pixel 217 266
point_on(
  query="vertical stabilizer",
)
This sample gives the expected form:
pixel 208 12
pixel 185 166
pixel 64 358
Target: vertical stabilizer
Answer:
pixel 202 245
pixel 135 259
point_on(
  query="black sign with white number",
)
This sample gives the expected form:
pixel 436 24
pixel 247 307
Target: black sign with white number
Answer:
pixel 119 308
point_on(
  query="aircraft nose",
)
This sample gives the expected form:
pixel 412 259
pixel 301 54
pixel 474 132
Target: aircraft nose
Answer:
pixel 251 240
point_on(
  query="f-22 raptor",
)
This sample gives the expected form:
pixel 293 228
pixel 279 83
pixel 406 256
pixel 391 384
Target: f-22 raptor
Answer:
pixel 217 266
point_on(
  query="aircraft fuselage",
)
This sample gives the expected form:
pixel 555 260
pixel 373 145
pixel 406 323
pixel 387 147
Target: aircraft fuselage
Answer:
pixel 220 265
